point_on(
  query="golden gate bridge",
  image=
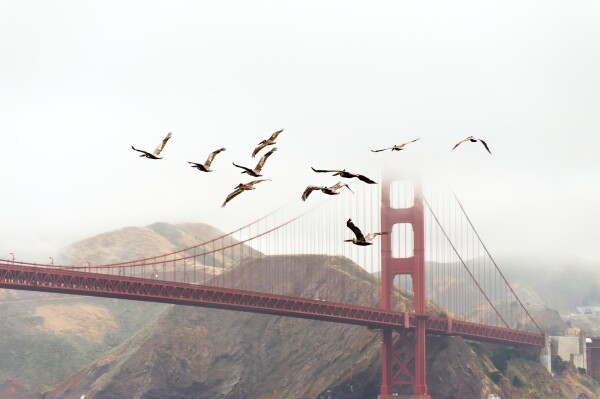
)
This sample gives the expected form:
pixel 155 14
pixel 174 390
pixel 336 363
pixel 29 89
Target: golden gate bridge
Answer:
pixel 431 274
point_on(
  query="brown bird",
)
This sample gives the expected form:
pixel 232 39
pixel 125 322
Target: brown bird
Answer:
pixel 333 190
pixel 360 238
pixel 473 140
pixel 240 188
pixel 398 147
pixel 348 175
pixel 256 171
pixel 205 167
pixel 155 154
pixel 264 143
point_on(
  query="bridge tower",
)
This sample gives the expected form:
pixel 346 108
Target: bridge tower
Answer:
pixel 403 350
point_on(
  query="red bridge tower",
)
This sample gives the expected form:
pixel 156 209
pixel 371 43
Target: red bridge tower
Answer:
pixel 403 350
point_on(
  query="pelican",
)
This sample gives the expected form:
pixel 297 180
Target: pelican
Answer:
pixel 360 239
pixel 256 171
pixel 155 154
pixel 333 190
pixel 240 188
pixel 348 175
pixel 473 140
pixel 206 166
pixel 264 143
pixel 398 147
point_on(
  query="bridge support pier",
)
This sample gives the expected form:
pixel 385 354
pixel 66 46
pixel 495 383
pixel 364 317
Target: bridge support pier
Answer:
pixel 404 358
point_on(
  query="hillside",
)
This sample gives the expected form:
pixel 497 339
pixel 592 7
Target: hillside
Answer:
pixel 47 337
pixel 559 283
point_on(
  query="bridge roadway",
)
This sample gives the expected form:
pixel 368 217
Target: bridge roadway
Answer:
pixel 60 280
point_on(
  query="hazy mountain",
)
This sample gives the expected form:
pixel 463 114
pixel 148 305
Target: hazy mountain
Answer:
pixel 47 337
pixel 562 284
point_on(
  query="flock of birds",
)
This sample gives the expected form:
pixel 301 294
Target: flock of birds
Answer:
pixel 360 239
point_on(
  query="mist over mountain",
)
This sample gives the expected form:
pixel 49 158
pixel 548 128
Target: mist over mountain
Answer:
pixel 560 283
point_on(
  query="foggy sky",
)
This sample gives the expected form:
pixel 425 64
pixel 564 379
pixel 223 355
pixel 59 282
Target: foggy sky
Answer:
pixel 80 82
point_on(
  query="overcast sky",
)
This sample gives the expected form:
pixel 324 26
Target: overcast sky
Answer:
pixel 80 82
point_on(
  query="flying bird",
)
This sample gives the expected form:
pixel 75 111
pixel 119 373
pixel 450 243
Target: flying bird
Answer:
pixel 473 140
pixel 206 166
pixel 348 175
pixel 256 171
pixel 264 143
pixel 240 188
pixel 333 190
pixel 398 147
pixel 155 154
pixel 360 238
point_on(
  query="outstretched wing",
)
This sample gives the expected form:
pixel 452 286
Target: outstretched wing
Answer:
pixel 408 142
pixel 242 167
pixel 253 182
pixel 194 164
pixel 339 185
pixel 485 145
pixel 355 230
pixel 383 149
pixel 260 146
pixel 309 190
pixel 233 194
pixel 323 170
pixel 211 156
pixel 275 134
pixel 370 236
pixel 142 151
pixel 460 142
pixel 162 144
pixel 263 159
pixel 365 179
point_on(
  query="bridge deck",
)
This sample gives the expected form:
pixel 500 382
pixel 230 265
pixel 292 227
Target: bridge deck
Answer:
pixel 56 280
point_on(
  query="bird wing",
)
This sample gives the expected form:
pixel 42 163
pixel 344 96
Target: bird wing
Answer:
pixel 275 134
pixel 383 149
pixel 365 179
pixel 193 163
pixel 485 145
pixel 323 170
pixel 211 156
pixel 253 182
pixel 142 151
pixel 259 147
pixel 309 190
pixel 233 194
pixel 370 236
pixel 263 159
pixel 460 142
pixel 242 167
pixel 339 185
pixel 162 144
pixel 408 142
pixel 355 230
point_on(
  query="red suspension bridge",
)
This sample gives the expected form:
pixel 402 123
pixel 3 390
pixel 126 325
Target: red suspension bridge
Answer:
pixel 431 274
